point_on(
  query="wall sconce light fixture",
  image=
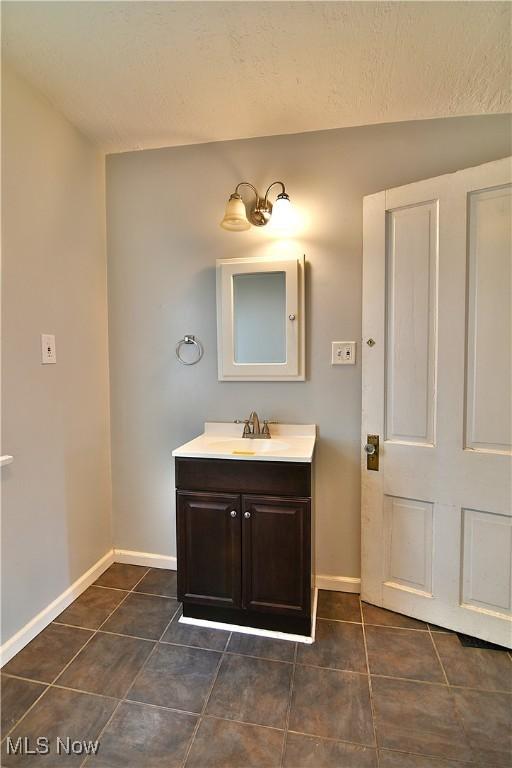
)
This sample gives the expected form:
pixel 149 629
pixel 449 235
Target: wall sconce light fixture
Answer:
pixel 238 218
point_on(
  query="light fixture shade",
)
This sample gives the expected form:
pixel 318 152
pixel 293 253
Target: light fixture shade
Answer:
pixel 284 217
pixel 235 218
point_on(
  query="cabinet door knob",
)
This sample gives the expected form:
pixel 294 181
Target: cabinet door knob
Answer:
pixel 233 513
pixel 247 515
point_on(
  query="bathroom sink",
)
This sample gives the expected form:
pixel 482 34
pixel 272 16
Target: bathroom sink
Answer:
pixel 288 442
pixel 238 444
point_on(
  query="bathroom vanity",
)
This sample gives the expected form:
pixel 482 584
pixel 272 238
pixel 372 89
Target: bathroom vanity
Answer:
pixel 245 526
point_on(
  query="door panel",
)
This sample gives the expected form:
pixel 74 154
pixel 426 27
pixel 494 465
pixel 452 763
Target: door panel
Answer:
pixel 408 525
pixel 436 518
pixel 209 551
pixel 486 581
pixel 489 336
pixel 276 554
pixel 411 278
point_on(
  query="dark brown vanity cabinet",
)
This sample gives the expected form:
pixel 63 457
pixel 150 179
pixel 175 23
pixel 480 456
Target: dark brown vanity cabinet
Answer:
pixel 244 550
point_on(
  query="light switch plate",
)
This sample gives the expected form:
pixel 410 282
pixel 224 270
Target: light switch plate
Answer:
pixel 48 353
pixel 343 353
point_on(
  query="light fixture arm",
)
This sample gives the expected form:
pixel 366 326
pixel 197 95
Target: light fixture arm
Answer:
pixel 246 184
pixel 283 190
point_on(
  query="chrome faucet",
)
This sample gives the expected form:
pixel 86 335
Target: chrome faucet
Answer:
pixel 253 429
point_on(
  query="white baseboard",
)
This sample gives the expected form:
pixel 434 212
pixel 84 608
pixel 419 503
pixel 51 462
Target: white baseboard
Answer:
pixel 338 583
pixel 148 559
pixel 27 633
pixel 151 560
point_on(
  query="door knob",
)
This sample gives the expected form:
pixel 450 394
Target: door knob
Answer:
pixel 372 452
pixel 247 515
pixel 233 513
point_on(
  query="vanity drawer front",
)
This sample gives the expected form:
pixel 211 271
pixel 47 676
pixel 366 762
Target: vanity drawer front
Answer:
pixel 231 475
pixel 209 549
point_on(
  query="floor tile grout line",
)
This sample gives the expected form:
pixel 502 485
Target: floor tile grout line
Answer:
pixel 169 642
pixel 311 735
pixel 332 669
pixel 439 658
pixel 120 603
pixel 17 722
pixel 51 684
pixel 102 730
pixel 154 641
pixel 370 689
pixel 67 688
pixel 110 632
pixel 429 682
pixel 124 698
pixel 452 699
pixel 278 661
pixel 225 651
pixel 160 706
pixel 147 567
pixel 242 722
pixel 289 705
pixel 149 656
pixel 205 704
pixel 259 658
pixel 153 594
pixel 457 714
pixel 383 626
pixel 441 760
pixel 160 640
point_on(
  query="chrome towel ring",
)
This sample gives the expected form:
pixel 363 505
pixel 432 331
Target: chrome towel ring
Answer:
pixel 189 339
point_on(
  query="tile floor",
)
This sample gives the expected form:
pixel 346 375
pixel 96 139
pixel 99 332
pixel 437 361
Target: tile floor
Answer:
pixel 117 666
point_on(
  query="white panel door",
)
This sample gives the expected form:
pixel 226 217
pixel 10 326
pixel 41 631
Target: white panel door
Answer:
pixel 437 390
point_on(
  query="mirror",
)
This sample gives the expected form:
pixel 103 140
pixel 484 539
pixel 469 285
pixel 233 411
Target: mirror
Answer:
pixel 259 312
pixel 260 318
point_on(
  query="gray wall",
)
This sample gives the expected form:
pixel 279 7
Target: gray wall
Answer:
pixel 163 209
pixel 56 496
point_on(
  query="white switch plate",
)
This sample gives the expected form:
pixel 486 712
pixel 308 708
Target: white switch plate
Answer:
pixel 343 353
pixel 48 353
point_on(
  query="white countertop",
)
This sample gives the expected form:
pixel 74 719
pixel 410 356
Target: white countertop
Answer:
pixel 222 440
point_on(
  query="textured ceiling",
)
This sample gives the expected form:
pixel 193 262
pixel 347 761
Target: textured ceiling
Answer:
pixel 134 75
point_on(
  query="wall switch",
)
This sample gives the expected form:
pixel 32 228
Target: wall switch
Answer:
pixel 48 354
pixel 343 353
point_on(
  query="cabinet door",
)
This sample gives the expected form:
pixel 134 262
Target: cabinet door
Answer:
pixel 276 555
pixel 261 318
pixel 209 551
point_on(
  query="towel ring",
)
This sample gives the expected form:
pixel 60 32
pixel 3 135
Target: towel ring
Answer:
pixel 189 339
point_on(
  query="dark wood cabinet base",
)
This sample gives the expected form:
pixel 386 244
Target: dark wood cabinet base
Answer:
pixel 294 625
pixel 244 536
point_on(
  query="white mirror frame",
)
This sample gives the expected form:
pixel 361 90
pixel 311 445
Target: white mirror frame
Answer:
pixel 293 369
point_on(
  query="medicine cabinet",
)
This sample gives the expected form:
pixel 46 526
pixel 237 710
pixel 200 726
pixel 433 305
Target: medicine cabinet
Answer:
pixel 260 319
